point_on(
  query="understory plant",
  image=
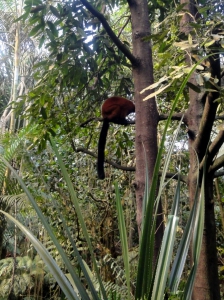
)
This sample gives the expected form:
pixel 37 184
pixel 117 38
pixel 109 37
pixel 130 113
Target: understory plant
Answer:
pixel 152 282
pixel 159 280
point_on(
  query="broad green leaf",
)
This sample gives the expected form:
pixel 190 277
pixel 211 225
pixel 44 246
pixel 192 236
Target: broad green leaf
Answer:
pixel 182 251
pixel 197 241
pixel 208 44
pixel 81 32
pixel 165 258
pixel 36 29
pixel 50 35
pixel 42 40
pixel 52 28
pixel 55 11
pixel 36 9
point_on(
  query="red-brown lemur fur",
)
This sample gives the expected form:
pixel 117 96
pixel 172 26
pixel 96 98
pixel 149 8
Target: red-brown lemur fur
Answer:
pixel 115 110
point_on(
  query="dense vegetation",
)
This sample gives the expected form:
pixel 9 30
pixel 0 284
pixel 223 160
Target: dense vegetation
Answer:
pixel 59 61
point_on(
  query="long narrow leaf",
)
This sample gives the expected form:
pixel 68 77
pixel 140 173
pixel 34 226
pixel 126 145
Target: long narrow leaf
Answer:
pixel 66 228
pixel 68 264
pixel 167 161
pixel 144 274
pixel 149 242
pixel 80 260
pixel 166 249
pixel 48 259
pixel 124 240
pixel 197 241
pixel 182 251
pixel 79 214
pixel 165 258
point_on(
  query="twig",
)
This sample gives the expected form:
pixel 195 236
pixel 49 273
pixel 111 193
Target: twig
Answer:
pixel 112 163
pixel 110 32
pixel 177 116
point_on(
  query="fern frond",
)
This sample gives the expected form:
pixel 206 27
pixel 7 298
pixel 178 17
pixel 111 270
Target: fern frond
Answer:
pixel 9 201
pixel 9 152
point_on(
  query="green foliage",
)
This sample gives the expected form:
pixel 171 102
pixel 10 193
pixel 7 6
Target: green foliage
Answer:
pixel 49 260
pixel 9 152
pixel 22 275
pixel 157 290
pixel 170 46
pixel 124 242
pixel 83 68
pixel 147 285
pixel 157 285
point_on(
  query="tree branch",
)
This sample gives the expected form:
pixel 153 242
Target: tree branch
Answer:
pixel 209 112
pixel 218 163
pixel 176 116
pixel 183 178
pixel 213 149
pixel 221 117
pixel 132 169
pixel 216 145
pixel 129 122
pixel 110 32
pixel 90 120
pixel 218 174
pixel 125 24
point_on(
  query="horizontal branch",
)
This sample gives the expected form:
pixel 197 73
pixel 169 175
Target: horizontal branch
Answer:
pixel 219 117
pixel 129 122
pixel 177 116
pixel 218 163
pixel 218 174
pixel 90 120
pixel 183 178
pixel 209 111
pixel 215 146
pixel 122 47
pixel 112 163
pixel 162 117
pixel 213 149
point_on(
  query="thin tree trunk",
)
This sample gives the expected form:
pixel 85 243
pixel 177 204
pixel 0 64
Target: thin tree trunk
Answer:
pixel 146 111
pixel 219 202
pixel 16 76
pixel 207 281
pixel 14 94
pixel 200 117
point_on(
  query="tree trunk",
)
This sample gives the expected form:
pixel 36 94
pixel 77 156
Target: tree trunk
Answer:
pixel 16 76
pixel 207 281
pixel 14 91
pixel 146 118
pixel 200 118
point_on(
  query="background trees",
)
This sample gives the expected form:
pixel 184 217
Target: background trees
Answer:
pixel 90 51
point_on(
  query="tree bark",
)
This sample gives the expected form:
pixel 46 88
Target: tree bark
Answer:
pixel 147 117
pixel 146 111
pixel 207 281
pixel 200 118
